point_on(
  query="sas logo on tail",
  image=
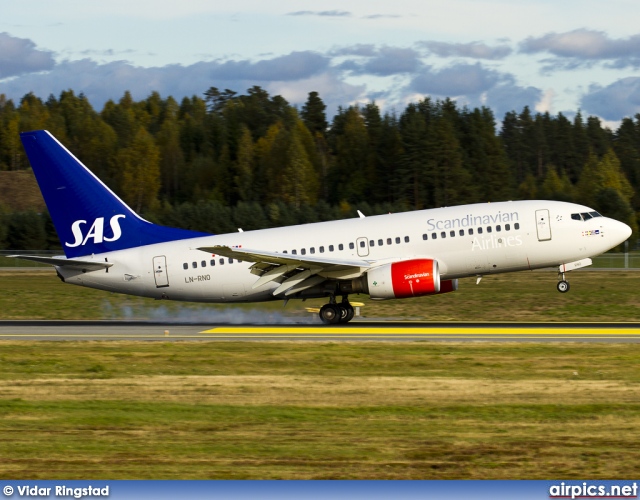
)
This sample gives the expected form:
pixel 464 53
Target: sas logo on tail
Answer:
pixel 96 231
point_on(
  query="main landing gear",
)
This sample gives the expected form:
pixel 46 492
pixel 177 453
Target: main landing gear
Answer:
pixel 563 284
pixel 333 313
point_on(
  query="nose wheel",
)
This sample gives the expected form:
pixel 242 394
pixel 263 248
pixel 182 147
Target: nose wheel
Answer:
pixel 563 284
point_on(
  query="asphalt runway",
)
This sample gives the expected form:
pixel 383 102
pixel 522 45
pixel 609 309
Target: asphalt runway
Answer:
pixel 354 331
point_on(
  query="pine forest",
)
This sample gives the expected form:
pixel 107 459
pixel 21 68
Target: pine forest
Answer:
pixel 226 160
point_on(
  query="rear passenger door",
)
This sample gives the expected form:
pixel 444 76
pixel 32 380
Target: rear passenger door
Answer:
pixel 160 271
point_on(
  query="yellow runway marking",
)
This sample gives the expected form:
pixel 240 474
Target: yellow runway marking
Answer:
pixel 330 331
pixel 124 336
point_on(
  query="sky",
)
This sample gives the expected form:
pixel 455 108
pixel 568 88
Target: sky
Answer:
pixel 550 55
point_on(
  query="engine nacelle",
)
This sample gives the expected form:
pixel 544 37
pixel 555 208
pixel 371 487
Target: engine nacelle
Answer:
pixel 410 278
pixel 447 286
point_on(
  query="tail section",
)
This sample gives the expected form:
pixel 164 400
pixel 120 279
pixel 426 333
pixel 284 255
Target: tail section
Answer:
pixel 89 218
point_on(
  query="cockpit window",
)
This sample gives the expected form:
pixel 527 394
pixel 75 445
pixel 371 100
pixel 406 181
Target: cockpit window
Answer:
pixel 585 215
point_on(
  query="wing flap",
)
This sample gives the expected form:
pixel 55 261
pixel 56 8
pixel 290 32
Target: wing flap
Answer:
pixel 304 261
pixel 298 271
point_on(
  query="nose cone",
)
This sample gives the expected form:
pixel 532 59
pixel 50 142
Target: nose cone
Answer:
pixel 619 231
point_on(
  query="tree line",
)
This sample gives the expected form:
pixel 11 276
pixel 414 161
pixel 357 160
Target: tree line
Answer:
pixel 226 160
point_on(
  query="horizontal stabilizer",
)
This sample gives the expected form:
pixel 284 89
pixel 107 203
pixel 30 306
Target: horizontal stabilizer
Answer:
pixel 89 265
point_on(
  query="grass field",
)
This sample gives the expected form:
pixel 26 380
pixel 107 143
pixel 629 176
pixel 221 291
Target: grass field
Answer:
pixel 526 296
pixel 312 410
pixel 415 410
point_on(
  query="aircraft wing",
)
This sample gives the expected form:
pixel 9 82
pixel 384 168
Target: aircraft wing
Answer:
pixel 90 265
pixel 294 272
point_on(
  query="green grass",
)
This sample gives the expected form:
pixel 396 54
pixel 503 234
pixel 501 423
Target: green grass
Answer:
pixel 525 296
pixel 277 410
pixel 209 410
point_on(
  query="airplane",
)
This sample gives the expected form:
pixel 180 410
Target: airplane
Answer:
pixel 109 247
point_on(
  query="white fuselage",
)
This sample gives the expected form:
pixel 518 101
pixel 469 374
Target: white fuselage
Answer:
pixel 467 240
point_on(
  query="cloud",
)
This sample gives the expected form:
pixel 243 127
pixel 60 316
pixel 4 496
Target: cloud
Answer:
pixel 322 13
pixel 392 61
pixel 101 82
pixel 621 98
pixel 106 52
pixel 474 85
pixel 19 56
pixel 333 90
pixel 474 50
pixel 367 59
pixel 359 50
pixel 585 45
pixel 508 96
pixel 382 16
pixel 293 66
pixel 456 80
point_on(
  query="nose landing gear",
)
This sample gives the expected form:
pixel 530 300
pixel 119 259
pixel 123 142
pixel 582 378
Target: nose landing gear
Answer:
pixel 333 313
pixel 563 284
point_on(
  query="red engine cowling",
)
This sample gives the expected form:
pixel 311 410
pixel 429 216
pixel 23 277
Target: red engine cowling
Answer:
pixel 410 278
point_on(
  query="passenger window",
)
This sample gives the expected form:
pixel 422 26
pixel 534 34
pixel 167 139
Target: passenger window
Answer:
pixel 312 250
pixel 461 232
pixel 331 248
pixel 371 243
pixel 284 251
pixel 194 265
pixel 389 241
pixel 507 227
pixel 213 262
pixel 222 262
pixel 203 263
pixel 380 243
pixel 185 266
pixel 351 246
pixel 489 229
pixel 452 234
pixel 434 236
pixel 397 241
pixel 406 239
pixel 303 251
pixel 479 230
pixel 230 261
pixel 340 246
pixel 516 226
pixel 425 237
pixel 321 249
pixel 498 228
pixel 443 234
pixel 294 252
pixel 470 231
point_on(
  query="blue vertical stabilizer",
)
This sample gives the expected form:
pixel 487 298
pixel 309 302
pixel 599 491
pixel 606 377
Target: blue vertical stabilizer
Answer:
pixel 88 216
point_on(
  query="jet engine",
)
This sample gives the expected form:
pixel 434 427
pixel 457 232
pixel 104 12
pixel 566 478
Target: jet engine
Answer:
pixel 410 278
